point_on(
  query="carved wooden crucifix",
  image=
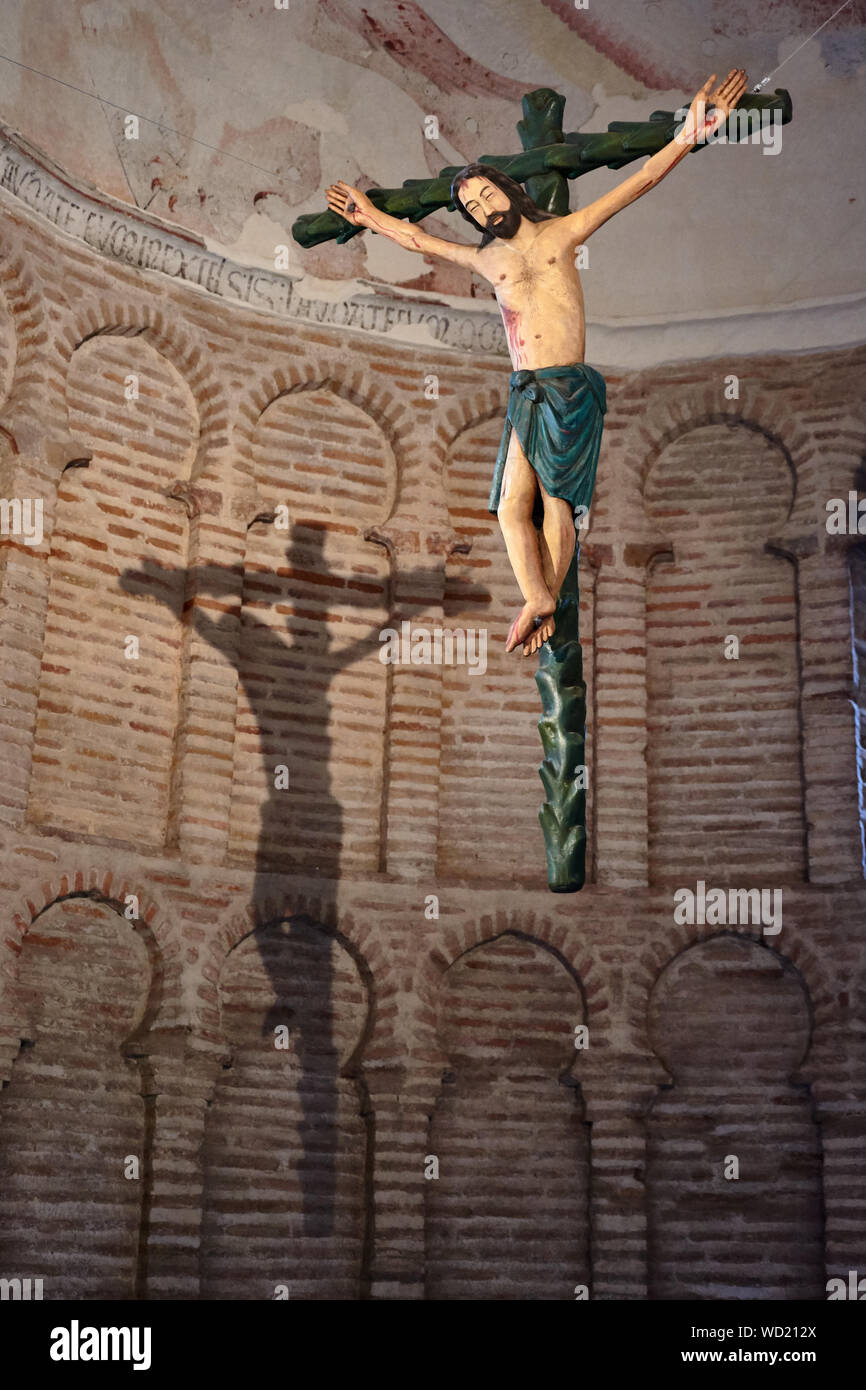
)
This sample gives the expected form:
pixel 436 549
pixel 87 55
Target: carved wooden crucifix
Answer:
pixel 546 468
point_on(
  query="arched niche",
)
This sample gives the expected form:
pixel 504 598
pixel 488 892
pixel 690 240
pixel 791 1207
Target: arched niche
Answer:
pixel 723 732
pixel 74 1143
pixel 507 1217
pixel 313 690
pixel 734 1184
pixel 106 722
pixel 286 1143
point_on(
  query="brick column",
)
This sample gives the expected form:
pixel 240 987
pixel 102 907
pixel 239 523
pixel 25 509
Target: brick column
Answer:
pixel 204 764
pixel 179 1082
pixel 835 1075
pixel 843 1140
pixel 402 1116
pixel 411 787
pixel 827 705
pixel 618 1089
pixel 621 796
pixel 24 578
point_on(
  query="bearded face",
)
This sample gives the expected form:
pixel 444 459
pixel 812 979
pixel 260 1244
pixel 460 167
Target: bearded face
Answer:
pixel 490 208
pixel 504 224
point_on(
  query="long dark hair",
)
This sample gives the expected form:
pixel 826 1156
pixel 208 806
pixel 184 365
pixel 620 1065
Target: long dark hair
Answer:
pixel 518 195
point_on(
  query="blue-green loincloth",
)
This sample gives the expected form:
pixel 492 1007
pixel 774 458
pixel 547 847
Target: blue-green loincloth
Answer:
pixel 558 413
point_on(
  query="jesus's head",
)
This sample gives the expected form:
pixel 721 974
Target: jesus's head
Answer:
pixel 493 202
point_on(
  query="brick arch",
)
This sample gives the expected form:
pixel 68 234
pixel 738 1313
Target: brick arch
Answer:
pixel 539 935
pixel 94 1010
pixel 305 374
pixel 309 1155
pixel 737 1090
pixel 668 418
pixel 314 596
pixel 165 989
pixel 180 348
pixel 331 930
pixel 672 426
pixel 458 940
pixel 719 496
pixel 508 1124
pixel 669 943
pixel 536 937
pixel 475 407
pixel 365 405
pixel 359 941
pixel 22 299
pixel 669 413
pixel 465 413
pixel 750 941
pixel 90 550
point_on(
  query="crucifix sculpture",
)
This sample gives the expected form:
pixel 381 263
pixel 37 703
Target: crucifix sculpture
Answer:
pixel 546 467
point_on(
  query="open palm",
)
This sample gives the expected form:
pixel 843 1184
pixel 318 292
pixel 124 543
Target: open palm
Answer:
pixel 724 98
pixel 728 93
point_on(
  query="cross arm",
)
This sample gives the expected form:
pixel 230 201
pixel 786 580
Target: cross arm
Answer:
pixel 571 155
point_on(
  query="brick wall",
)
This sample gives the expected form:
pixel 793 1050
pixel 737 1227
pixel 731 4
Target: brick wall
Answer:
pixel 72 1116
pixel 255 823
pixel 723 744
pixel 757 1235
pixel 508 1215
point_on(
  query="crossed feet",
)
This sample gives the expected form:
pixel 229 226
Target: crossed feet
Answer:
pixel 533 625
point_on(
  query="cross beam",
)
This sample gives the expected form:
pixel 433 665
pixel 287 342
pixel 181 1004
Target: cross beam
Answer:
pixel 548 160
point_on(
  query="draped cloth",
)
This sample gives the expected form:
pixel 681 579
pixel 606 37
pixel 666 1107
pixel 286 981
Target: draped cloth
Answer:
pixel 558 413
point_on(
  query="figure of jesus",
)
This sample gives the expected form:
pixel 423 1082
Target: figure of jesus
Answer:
pixel 545 472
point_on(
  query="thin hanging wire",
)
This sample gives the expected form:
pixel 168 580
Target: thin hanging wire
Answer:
pixel 764 80
pixel 148 119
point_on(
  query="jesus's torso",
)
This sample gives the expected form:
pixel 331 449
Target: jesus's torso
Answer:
pixel 541 300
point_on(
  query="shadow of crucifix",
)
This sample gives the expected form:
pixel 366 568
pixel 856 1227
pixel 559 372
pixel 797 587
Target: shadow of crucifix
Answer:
pixel 288 693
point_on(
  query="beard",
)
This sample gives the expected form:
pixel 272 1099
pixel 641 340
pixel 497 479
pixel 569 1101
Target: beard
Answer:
pixel 508 223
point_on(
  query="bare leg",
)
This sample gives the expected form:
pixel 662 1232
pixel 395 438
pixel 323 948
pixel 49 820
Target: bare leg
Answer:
pixel 519 487
pixel 559 535
pixel 547 565
pixel 557 548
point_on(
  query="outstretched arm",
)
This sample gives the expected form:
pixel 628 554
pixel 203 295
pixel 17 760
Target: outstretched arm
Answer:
pixel 698 126
pixel 356 208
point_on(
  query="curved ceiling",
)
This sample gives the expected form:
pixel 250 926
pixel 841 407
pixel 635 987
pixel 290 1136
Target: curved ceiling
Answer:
pixel 252 110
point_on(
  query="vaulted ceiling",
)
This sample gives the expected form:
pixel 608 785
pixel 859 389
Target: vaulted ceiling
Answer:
pixel 282 102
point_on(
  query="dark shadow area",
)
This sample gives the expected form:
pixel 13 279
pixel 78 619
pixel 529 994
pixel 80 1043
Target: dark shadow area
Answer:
pixel 307 813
